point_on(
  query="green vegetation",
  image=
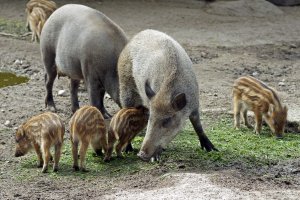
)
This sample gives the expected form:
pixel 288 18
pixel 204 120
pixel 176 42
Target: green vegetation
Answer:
pixel 236 148
pixel 12 26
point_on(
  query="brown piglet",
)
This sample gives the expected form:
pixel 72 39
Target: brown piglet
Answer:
pixel 87 126
pixel 124 126
pixel 252 94
pixel 41 132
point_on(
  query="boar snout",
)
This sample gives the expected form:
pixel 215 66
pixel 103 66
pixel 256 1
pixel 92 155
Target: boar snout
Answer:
pixel 19 153
pixel 155 156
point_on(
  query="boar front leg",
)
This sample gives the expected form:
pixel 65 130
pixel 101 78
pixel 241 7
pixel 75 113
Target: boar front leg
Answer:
pixel 204 141
pixel 57 156
pixel 37 149
pixel 258 122
pixel 47 155
pixel 74 94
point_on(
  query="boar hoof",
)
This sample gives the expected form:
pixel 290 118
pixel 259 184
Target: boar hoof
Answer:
pixel 84 170
pixel 143 156
pixel 106 160
pixel 98 152
pixel 44 170
pixel 76 168
pixel 55 169
pixel 40 164
pixel 207 145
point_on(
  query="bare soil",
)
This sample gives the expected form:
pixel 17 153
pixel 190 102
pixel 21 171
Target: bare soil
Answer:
pixel 223 41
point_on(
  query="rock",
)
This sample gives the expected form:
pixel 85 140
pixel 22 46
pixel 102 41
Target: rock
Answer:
pixel 2 110
pixel 293 46
pixel 7 123
pixel 18 62
pixel 61 93
pixel 255 74
pixel 203 54
pixel 281 84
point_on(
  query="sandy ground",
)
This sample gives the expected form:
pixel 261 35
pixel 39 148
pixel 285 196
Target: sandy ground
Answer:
pixel 225 40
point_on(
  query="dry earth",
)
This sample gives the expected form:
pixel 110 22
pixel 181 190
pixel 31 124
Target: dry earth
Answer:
pixel 224 39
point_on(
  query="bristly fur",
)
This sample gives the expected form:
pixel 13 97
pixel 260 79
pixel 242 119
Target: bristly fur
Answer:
pixel 124 126
pixel 252 94
pixel 87 126
pixel 41 132
pixel 38 11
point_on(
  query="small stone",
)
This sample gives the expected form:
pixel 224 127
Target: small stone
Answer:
pixel 2 110
pixel 18 62
pixel 215 94
pixel 281 84
pixel 255 74
pixel 293 46
pixel 203 54
pixel 61 93
pixel 2 142
pixel 7 123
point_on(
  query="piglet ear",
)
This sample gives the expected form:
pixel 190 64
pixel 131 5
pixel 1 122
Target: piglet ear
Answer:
pixel 149 92
pixel 179 102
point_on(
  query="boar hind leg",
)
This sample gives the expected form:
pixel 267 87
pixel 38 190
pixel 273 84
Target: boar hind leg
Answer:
pixel 37 149
pixel 204 141
pixel 96 96
pixel 57 150
pixel 82 153
pixel 75 153
pixel 46 153
pixel 245 118
pixel 74 94
pixel 49 78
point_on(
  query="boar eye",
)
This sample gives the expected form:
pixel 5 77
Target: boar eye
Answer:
pixel 166 122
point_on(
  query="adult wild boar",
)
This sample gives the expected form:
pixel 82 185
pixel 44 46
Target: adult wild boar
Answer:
pixel 82 43
pixel 155 71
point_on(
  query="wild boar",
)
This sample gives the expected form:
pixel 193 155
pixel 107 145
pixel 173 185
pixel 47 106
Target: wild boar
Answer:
pixel 41 132
pixel 156 72
pixel 36 19
pixel 38 12
pixel 254 95
pixel 82 43
pixel 124 126
pixel 87 126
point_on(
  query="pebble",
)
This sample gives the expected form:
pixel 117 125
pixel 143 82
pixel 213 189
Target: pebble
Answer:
pixel 293 46
pixel 255 74
pixel 281 84
pixel 7 123
pixel 18 62
pixel 2 110
pixel 61 93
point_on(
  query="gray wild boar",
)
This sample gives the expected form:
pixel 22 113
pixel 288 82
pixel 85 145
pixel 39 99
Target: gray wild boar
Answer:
pixel 155 71
pixel 41 132
pixel 83 44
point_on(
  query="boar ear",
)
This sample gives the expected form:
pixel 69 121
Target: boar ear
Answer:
pixel 149 92
pixel 179 101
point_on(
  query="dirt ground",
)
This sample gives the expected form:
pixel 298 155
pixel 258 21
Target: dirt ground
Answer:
pixel 225 40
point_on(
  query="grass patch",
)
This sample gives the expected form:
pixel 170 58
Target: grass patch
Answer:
pixel 12 26
pixel 236 148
